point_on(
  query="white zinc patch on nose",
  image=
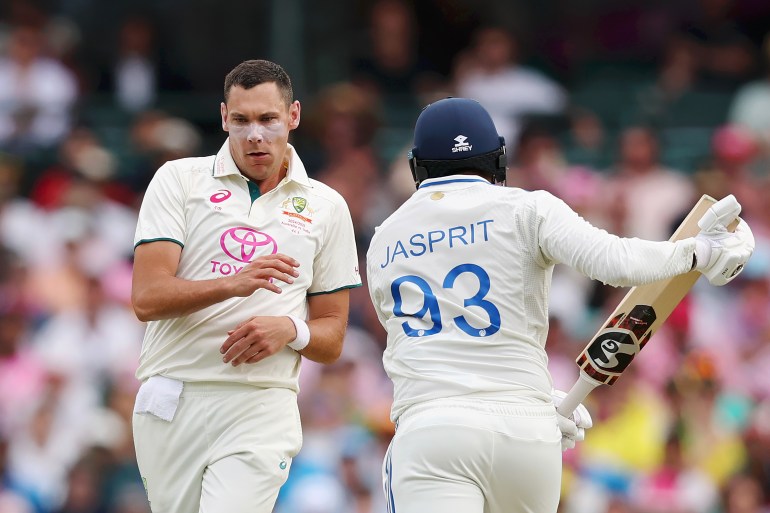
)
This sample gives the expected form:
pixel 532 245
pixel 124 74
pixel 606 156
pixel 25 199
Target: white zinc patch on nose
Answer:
pixel 257 132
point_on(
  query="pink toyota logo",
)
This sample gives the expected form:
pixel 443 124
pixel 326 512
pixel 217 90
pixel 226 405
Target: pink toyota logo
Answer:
pixel 241 243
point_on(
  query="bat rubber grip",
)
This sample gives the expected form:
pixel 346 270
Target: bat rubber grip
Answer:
pixel 577 394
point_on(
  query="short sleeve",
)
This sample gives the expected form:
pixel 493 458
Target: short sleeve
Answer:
pixel 162 214
pixel 335 267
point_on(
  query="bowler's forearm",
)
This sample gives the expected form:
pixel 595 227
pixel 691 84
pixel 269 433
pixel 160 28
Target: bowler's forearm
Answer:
pixel 326 336
pixel 171 297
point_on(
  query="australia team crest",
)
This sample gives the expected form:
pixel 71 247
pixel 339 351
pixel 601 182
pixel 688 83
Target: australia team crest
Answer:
pixel 297 215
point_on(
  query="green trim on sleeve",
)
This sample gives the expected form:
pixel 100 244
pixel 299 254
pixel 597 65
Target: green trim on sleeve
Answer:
pixel 145 241
pixel 335 290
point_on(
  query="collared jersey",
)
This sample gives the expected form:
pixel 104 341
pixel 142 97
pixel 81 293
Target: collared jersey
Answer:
pixel 460 274
pixel 222 223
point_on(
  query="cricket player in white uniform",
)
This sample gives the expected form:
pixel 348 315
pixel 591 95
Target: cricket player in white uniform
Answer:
pixel 459 276
pixel 242 264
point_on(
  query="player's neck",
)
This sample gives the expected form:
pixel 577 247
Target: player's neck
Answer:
pixel 271 182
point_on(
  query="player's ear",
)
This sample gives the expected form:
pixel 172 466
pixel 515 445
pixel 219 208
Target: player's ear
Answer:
pixel 223 112
pixel 294 114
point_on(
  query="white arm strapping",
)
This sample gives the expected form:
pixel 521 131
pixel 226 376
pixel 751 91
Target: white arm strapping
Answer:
pixel 303 334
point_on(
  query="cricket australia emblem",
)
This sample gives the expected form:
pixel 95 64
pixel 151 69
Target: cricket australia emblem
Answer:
pixel 298 203
pixel 297 215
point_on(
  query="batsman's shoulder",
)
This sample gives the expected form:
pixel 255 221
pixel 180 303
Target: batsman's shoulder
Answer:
pixel 532 199
pixel 545 200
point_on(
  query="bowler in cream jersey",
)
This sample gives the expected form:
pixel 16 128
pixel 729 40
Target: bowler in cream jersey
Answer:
pixel 242 267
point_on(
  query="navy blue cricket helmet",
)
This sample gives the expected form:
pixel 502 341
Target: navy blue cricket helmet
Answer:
pixel 454 135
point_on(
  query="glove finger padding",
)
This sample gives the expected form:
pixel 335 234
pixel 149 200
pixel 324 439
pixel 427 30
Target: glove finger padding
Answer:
pixel 582 418
pixel 720 214
pixel 722 255
pixel 572 428
pixel 569 432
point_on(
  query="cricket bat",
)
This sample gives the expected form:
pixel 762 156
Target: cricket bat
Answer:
pixel 635 320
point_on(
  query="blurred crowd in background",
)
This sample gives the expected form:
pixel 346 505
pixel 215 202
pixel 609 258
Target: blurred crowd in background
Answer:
pixel 628 110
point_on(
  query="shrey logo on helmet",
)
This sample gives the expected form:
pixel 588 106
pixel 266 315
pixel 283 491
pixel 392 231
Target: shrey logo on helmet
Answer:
pixel 461 144
pixel 477 146
pixel 242 244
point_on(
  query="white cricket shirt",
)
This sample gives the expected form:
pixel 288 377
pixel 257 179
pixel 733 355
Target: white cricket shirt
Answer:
pixel 222 222
pixel 460 275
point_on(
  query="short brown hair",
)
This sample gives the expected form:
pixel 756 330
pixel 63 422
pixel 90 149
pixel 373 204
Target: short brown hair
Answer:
pixel 257 71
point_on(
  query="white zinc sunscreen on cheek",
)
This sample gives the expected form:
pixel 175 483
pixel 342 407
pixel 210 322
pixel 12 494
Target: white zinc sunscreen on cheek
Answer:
pixel 256 132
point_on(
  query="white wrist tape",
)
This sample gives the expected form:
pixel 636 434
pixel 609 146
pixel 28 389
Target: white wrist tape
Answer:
pixel 303 334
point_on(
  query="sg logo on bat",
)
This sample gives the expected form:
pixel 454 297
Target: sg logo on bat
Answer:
pixel 613 349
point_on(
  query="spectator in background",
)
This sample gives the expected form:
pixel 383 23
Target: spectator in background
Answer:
pixel 345 119
pixel 757 442
pixel 645 199
pixel 134 71
pixel 83 489
pixel 491 72
pixel 391 68
pixel 81 157
pixel 37 94
pixel 677 75
pixel 12 499
pixel 20 217
pixel 731 168
pixel 587 140
pixel 631 422
pixel 88 349
pixel 751 104
pixel 343 406
pixel 156 137
pixel 744 494
pixel 22 377
pixel 725 54
pixel 675 486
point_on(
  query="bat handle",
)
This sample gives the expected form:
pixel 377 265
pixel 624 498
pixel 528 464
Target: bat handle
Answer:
pixel 577 394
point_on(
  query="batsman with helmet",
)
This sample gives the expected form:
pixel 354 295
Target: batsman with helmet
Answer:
pixel 459 276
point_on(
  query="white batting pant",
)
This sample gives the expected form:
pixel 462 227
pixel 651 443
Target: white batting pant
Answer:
pixel 474 456
pixel 228 449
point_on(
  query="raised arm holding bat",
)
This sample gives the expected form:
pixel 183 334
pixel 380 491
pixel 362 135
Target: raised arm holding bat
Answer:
pixel 460 276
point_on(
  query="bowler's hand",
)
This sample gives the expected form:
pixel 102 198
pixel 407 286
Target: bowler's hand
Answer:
pixel 256 339
pixel 261 273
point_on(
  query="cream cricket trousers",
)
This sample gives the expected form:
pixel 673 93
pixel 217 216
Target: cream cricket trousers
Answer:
pixel 228 449
pixel 474 456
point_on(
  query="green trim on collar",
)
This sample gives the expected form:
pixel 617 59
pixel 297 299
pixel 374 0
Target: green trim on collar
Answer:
pixel 254 191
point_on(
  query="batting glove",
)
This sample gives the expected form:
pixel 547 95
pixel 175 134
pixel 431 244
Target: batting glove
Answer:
pixel 573 428
pixel 719 254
